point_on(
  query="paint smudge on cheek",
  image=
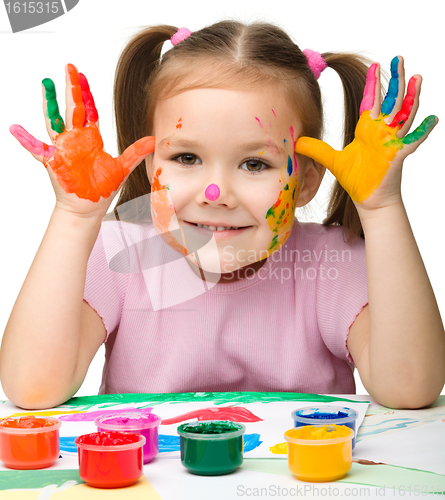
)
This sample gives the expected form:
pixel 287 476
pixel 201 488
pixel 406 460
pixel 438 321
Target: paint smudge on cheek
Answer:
pixel 294 141
pixel 179 124
pixel 280 216
pixel 274 113
pixel 163 211
pixel 258 120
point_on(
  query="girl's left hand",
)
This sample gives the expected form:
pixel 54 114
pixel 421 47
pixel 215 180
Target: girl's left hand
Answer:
pixel 370 167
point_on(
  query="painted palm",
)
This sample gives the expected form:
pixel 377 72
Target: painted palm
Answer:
pixel 381 140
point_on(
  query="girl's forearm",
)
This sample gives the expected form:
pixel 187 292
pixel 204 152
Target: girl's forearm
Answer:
pixel 40 344
pixel 406 335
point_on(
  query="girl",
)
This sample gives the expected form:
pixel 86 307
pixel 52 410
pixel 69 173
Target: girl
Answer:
pixel 228 122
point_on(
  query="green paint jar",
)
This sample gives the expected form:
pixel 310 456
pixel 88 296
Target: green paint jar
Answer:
pixel 211 447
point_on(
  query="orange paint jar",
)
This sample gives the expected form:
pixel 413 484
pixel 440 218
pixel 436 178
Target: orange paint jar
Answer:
pixel 29 442
pixel 319 454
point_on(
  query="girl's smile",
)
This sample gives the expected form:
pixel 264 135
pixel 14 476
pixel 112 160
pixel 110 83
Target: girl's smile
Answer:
pixel 242 142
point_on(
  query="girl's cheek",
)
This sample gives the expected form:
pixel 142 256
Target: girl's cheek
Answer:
pixel 280 216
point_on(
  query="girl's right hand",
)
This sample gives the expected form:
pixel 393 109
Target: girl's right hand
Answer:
pixel 85 178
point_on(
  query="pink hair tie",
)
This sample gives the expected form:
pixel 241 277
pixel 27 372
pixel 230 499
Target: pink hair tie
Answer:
pixel 180 35
pixel 315 62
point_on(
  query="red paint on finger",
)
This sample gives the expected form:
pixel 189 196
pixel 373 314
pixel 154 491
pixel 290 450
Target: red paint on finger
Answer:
pixel 369 93
pixel 91 114
pixel 76 92
pixel 407 105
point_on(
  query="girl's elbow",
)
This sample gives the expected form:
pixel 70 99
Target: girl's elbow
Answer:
pixel 32 398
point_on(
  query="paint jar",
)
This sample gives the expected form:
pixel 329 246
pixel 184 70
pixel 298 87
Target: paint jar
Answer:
pixel 319 453
pixel 143 423
pixel 211 447
pixel 323 415
pixel 29 442
pixel 110 459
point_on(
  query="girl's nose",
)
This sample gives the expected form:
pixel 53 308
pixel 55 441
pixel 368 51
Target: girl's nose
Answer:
pixel 212 192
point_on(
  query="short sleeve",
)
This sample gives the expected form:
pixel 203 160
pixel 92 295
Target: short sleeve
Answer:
pixel 342 288
pixel 105 288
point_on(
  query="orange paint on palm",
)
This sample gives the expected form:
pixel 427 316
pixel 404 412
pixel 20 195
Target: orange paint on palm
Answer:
pixel 76 92
pixel 162 212
pixel 82 166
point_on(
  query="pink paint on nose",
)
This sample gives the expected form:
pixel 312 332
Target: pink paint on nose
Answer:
pixel 212 192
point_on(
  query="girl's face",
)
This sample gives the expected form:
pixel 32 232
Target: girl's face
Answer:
pixel 241 144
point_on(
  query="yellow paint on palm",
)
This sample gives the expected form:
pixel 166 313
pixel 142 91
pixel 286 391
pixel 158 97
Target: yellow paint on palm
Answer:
pixel 362 165
pixel 280 216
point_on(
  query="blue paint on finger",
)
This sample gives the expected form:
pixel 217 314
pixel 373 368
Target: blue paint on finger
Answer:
pixel 393 88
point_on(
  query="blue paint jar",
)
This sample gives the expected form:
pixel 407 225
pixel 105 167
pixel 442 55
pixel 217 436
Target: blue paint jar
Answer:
pixel 322 415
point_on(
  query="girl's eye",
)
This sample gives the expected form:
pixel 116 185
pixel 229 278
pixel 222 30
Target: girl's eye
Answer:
pixel 187 159
pixel 255 166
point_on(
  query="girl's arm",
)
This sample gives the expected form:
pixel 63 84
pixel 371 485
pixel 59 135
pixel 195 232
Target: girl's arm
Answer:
pixel 398 340
pixel 50 338
pixel 52 334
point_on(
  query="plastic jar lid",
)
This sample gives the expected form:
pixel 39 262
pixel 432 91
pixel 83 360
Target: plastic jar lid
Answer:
pixel 30 430
pixel 114 447
pixel 241 429
pixel 140 421
pixel 303 415
pixel 289 437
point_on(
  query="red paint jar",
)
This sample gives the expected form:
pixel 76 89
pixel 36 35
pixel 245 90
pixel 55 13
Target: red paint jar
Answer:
pixel 29 442
pixel 110 459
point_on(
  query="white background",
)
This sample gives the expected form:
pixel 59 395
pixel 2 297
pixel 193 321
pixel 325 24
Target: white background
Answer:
pixel 92 35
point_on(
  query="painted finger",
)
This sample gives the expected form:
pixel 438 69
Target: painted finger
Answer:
pixel 91 114
pixel 396 89
pixel 54 122
pixel 371 95
pixel 404 118
pixel 135 153
pixel 413 140
pixel 75 110
pixel 38 149
pixel 317 150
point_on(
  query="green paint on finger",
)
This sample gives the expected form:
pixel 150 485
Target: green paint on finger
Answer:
pixel 421 130
pixel 53 109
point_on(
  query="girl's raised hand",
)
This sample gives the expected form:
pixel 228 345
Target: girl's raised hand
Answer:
pixel 370 168
pixel 84 177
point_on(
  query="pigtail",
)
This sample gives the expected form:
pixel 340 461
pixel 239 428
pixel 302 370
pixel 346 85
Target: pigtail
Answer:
pixel 135 68
pixel 352 70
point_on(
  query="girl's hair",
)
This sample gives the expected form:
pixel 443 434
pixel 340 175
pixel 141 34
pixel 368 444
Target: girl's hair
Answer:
pixel 228 54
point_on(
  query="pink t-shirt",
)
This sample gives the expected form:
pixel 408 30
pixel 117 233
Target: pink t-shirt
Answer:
pixel 284 328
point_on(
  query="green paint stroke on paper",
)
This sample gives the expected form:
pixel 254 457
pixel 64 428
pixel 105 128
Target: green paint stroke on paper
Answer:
pixel 106 400
pixel 33 479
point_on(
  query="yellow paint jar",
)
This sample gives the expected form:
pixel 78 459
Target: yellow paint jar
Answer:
pixel 318 454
